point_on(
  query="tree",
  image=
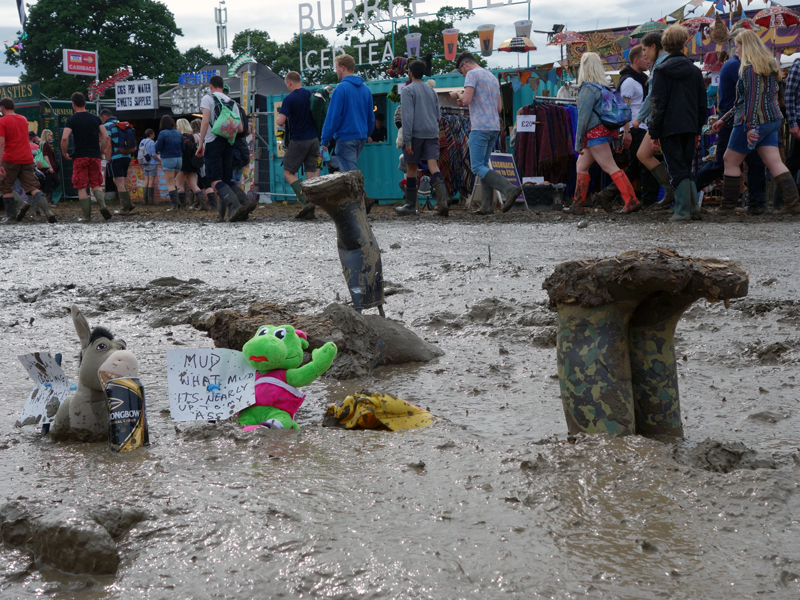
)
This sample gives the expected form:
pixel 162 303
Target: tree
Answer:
pixel 431 30
pixel 139 33
pixel 195 59
pixel 264 49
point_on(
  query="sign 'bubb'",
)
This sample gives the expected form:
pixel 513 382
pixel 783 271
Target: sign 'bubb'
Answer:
pixel 311 21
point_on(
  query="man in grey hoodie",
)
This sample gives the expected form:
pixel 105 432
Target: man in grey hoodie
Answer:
pixel 420 113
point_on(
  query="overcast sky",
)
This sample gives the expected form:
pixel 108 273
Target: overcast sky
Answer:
pixel 280 19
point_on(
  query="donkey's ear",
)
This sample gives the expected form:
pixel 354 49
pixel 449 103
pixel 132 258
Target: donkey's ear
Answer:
pixel 81 326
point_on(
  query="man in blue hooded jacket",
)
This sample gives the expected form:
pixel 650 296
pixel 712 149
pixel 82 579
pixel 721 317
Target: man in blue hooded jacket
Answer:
pixel 350 117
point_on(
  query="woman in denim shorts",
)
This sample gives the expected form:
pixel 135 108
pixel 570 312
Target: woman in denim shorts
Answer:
pixel 756 118
pixel 169 147
pixel 593 139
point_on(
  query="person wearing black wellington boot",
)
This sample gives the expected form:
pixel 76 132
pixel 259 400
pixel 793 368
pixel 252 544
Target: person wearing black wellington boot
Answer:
pixel 17 163
pixel 420 115
pixel 756 119
pixel 303 148
pixel 678 116
pixel 216 151
pixel 592 138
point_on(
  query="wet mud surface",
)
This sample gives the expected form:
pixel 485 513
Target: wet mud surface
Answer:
pixel 494 501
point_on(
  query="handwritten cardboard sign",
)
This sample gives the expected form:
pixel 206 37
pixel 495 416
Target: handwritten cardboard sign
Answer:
pixel 50 389
pixel 208 384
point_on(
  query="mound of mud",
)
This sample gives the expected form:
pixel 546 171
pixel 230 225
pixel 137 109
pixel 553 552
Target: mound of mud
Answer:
pixel 753 307
pixel 721 457
pixel 771 353
pixel 364 341
pixel 534 322
pixel 70 539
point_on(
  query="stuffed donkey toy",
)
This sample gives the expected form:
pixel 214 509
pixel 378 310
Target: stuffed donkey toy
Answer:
pixel 84 415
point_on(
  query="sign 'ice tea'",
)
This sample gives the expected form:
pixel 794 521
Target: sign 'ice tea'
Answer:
pixel 135 95
pixel 79 62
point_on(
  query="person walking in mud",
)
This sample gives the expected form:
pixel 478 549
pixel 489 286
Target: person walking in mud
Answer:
pixel 217 152
pixel 482 94
pixel 655 55
pixel 118 162
pixel 420 124
pixel 90 138
pixel 756 118
pixel 17 162
pixel 679 113
pixel 350 117
pixel 633 88
pixel 593 139
pixel 303 149
pixel 713 170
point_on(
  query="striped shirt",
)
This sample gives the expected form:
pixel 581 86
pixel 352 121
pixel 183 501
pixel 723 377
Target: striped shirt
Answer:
pixel 756 100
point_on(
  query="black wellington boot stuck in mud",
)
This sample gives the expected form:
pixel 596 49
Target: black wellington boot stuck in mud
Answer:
pixel 341 196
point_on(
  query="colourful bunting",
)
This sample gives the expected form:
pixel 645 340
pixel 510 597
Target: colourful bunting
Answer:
pixel 678 14
pixel 524 76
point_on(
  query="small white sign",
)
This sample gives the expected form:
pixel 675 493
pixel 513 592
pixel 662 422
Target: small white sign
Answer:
pixel 715 79
pixel 208 384
pixel 526 123
pixel 137 95
pixel 51 388
pixel 536 180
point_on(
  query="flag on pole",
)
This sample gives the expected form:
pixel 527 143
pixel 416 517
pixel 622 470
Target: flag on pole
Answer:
pixel 22 18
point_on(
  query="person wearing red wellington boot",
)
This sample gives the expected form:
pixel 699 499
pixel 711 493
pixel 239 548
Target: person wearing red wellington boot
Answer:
pixel 593 139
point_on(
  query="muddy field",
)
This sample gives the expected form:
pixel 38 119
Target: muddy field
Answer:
pixel 493 501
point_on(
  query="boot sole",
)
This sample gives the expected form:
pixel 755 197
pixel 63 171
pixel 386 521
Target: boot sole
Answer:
pixel 306 213
pixel 510 202
pixel 240 214
pixel 106 214
pixel 22 212
pixel 51 219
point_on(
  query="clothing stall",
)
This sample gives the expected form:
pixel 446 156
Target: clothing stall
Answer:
pixel 548 152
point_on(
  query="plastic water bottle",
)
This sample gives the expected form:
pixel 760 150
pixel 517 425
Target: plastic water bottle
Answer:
pixel 753 145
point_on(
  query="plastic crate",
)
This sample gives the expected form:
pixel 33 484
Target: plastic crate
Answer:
pixel 544 196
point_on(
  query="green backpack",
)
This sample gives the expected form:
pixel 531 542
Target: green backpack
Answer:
pixel 226 123
pixel 40 160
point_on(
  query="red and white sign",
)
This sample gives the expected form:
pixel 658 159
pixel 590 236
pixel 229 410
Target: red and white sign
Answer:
pixel 78 62
pixel 96 89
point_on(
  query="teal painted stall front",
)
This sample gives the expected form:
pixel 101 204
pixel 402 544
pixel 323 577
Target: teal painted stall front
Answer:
pixel 378 161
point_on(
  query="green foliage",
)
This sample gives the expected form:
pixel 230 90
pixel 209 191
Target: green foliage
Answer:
pixel 285 57
pixel 139 33
pixel 432 42
pixel 196 58
pixel 262 47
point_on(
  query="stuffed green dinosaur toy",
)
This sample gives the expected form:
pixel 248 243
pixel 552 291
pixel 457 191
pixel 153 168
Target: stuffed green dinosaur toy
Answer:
pixel 276 353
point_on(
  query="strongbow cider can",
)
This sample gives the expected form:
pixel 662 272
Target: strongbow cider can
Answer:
pixel 127 416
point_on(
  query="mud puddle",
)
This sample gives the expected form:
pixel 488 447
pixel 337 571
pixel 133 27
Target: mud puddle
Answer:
pixel 493 501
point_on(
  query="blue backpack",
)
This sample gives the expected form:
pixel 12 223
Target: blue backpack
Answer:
pixel 614 112
pixel 127 138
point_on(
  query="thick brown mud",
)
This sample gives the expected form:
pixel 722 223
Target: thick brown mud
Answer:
pixel 493 501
